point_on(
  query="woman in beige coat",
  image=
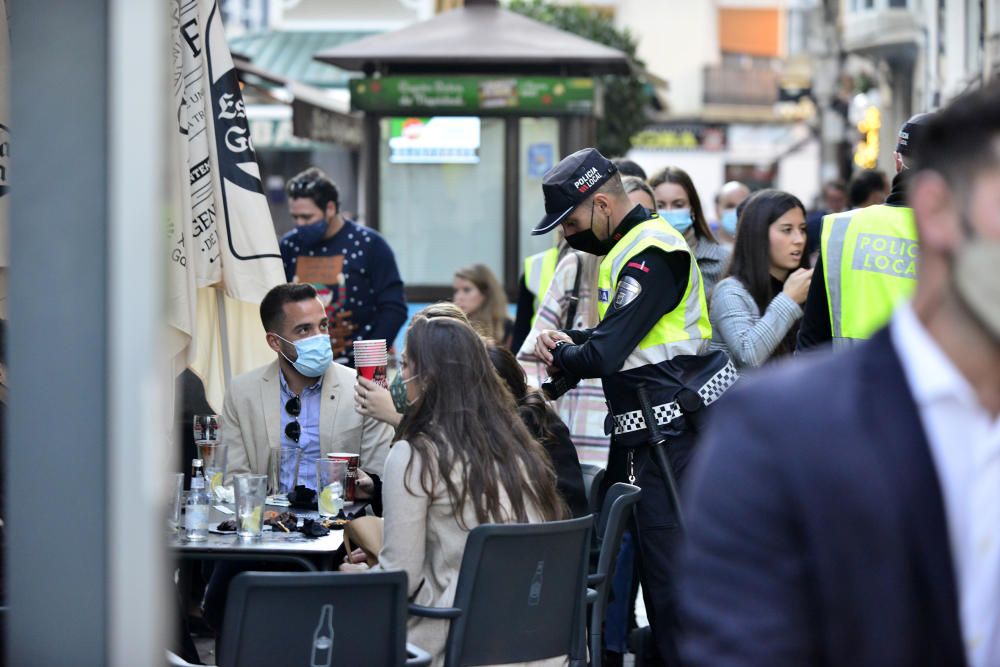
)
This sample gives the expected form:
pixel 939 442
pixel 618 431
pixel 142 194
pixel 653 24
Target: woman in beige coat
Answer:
pixel 463 458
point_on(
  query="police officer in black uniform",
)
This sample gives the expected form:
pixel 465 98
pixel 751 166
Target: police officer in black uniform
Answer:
pixel 650 345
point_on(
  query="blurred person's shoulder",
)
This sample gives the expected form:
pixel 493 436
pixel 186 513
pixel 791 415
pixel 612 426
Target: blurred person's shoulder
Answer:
pixel 798 403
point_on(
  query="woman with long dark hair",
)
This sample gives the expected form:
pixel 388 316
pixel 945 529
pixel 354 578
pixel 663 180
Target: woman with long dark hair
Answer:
pixel 463 458
pixel 388 405
pixel 546 427
pixel 678 203
pixel 756 309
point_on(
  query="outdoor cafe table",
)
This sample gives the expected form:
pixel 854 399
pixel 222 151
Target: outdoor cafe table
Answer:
pixel 273 546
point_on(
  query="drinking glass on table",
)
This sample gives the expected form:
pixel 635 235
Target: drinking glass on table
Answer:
pixel 251 493
pixel 283 471
pixel 214 456
pixel 175 501
pixel 330 478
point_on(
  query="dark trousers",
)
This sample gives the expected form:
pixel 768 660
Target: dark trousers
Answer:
pixel 657 535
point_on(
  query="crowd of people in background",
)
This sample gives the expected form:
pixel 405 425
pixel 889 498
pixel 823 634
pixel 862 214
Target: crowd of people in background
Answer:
pixel 474 439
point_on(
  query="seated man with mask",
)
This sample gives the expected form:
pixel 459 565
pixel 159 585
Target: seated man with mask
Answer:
pixel 302 399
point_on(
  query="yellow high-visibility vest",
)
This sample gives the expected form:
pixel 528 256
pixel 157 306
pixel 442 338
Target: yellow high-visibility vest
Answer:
pixel 869 266
pixel 539 269
pixel 685 329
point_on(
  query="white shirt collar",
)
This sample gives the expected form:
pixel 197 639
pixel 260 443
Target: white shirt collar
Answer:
pixel 930 373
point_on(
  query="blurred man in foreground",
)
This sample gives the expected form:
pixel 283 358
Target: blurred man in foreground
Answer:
pixel 860 524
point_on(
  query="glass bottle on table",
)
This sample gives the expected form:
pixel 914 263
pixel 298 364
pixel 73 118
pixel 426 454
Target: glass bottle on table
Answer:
pixel 207 440
pixel 196 505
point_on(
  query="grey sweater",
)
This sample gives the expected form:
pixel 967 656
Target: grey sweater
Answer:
pixel 713 260
pixel 738 327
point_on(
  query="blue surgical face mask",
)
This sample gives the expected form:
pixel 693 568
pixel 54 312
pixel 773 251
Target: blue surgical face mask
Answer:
pixel 728 221
pixel 680 219
pixel 311 234
pixel 314 355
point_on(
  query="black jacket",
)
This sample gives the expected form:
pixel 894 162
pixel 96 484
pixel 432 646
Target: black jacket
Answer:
pixel 817 535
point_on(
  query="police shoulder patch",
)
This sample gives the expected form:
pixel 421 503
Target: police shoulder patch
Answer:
pixel 628 289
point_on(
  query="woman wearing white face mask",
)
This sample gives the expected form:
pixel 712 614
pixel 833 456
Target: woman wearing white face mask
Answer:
pixel 678 203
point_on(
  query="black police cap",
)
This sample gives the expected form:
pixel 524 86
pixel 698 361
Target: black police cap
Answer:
pixel 570 182
pixel 910 133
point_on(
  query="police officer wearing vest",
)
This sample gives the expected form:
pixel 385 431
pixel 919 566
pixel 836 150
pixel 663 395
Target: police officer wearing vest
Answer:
pixel 867 262
pixel 652 340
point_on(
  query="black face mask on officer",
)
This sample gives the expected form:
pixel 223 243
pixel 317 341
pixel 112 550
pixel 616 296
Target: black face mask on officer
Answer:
pixel 587 241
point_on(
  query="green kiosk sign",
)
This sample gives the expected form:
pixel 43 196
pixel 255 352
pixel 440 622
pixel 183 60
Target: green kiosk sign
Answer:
pixel 473 95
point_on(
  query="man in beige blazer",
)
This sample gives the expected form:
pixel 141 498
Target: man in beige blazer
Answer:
pixel 302 399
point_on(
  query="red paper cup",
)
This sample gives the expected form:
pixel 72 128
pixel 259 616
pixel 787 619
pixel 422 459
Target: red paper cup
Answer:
pixel 376 374
pixel 371 359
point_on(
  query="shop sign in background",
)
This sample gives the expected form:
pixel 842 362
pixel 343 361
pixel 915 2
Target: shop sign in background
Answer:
pixel 474 95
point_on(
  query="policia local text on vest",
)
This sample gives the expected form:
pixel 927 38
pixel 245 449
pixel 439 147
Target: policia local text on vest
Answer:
pixel 868 263
pixel 652 340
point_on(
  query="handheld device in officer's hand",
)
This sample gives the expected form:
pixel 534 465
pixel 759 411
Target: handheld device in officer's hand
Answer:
pixel 558 384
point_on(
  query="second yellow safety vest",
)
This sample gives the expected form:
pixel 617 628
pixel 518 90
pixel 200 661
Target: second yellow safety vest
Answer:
pixel 869 266
pixel 539 269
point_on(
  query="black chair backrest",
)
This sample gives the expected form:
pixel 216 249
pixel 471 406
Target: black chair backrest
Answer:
pixel 322 619
pixel 522 592
pixel 618 502
pixel 593 477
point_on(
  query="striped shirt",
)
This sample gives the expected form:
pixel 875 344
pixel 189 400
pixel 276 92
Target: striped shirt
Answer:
pixel 583 409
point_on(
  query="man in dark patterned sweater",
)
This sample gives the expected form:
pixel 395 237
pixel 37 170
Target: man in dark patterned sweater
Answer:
pixel 352 267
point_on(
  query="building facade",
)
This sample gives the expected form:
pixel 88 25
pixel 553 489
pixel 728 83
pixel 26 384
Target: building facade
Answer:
pixel 917 55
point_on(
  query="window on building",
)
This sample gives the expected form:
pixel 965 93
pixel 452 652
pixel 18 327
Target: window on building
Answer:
pixel 974 42
pixel 441 215
pixel 539 151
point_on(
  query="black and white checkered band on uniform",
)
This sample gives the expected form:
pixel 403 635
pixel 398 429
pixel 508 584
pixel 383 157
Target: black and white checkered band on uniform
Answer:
pixel 665 413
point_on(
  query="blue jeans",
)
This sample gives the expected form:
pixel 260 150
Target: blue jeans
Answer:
pixel 616 620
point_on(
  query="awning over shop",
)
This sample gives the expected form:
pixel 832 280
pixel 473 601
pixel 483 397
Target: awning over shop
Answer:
pixel 481 38
pixel 289 54
pixel 315 114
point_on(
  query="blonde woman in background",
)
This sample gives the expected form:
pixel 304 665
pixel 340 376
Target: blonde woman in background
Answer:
pixel 479 295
